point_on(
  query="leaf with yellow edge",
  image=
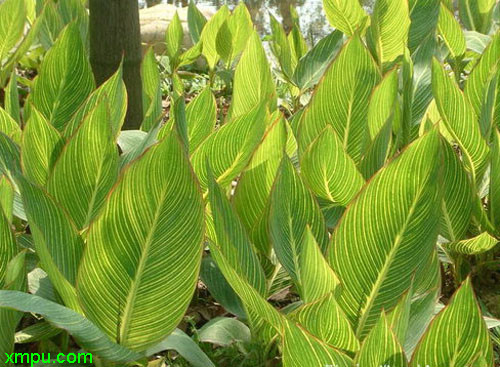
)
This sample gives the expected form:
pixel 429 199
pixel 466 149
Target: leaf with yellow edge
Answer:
pixel 9 126
pixel 143 254
pixel 451 32
pixel 381 347
pixel 459 119
pixel 473 246
pixel 325 320
pixel 329 170
pixel 209 36
pixel 345 15
pixel 457 335
pixel 400 206
pixel 341 100
pixel 388 32
pixel 229 149
pixel 253 82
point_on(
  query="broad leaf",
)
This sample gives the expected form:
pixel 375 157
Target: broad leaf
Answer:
pixel 209 36
pixel 345 15
pixel 400 205
pixel 473 246
pixel 201 117
pixel 457 334
pixel 146 246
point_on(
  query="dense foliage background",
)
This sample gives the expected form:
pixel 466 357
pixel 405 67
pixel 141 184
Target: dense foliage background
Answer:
pixel 282 204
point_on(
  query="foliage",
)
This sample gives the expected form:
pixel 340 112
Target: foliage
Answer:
pixel 331 197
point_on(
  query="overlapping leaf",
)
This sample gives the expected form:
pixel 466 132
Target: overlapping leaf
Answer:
pixel 341 100
pixel 387 234
pixel 65 79
pixel 143 252
pixel 345 15
pixel 201 116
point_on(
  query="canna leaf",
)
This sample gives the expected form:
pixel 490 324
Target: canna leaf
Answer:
pixel 229 149
pixel 152 97
pixel 292 209
pixel 400 206
pixel 345 15
pixel 88 335
pixel 325 319
pixel 457 334
pixel 381 347
pixel 65 79
pixel 473 246
pixel 131 247
pixel 388 32
pixel 234 33
pixel 253 81
pixel 12 20
pixel 201 117
pixel 476 14
pixel 12 99
pixel 251 196
pixel 458 117
pixel 281 47
pixel 494 190
pixel 311 67
pixel 87 168
pixel 196 22
pixel 329 171
pixel 41 146
pixel 9 126
pixel 230 236
pixel 174 37
pixel 209 36
pixel 451 32
pixel 56 240
pixel 341 100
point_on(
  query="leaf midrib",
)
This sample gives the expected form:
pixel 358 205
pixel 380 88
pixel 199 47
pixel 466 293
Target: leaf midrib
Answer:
pixel 389 260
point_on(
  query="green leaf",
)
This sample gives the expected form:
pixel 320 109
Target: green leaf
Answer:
pixel 451 32
pixel 325 319
pixel 400 206
pixel 229 149
pixel 311 67
pixel 201 117
pixel 293 209
pixel 65 79
pixel 15 279
pixel 185 346
pixel 196 22
pixel 457 334
pixel 12 98
pixel 473 246
pixel 57 242
pixel 230 236
pixel 476 14
pixel 381 347
pixel 251 196
pixel 345 15
pixel 152 98
pixel 233 34
pixel 6 198
pixel 341 100
pixel 301 349
pixel 253 82
pixel 424 15
pixel 36 332
pixel 41 147
pixel 8 245
pixel 131 247
pixel 388 32
pixel 209 36
pixel 114 92
pixel 9 126
pixel 87 167
pixel 219 288
pixel 459 119
pixel 12 19
pixel 494 197
pixel 329 171
pixel 174 38
pixel 317 277
pixel 224 331
pixel 458 196
pixel 281 47
pixel 85 332
pixel 481 78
